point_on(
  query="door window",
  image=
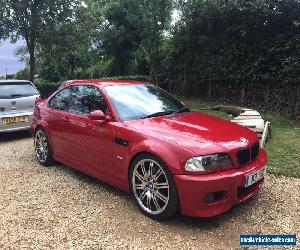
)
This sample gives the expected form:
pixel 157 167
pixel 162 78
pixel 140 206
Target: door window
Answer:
pixel 85 99
pixel 61 100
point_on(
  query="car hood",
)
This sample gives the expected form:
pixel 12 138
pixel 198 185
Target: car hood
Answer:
pixel 197 132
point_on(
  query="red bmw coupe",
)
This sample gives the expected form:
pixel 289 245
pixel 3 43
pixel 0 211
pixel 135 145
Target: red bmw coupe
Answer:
pixel 137 137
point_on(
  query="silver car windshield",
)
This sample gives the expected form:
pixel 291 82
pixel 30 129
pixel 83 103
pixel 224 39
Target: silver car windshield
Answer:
pixel 17 90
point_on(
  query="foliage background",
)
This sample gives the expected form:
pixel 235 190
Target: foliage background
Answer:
pixel 234 51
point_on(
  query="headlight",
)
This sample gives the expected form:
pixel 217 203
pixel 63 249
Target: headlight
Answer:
pixel 208 163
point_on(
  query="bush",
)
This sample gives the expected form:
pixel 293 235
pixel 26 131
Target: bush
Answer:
pixel 45 88
pixel 134 78
pixel 23 74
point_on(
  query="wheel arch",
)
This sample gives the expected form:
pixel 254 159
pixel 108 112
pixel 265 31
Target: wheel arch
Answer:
pixel 137 154
pixel 43 125
pixel 38 127
pixel 172 156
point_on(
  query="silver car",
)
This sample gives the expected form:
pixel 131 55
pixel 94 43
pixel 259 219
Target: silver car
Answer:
pixel 17 100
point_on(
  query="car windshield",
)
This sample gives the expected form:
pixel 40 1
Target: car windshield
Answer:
pixel 16 90
pixel 138 101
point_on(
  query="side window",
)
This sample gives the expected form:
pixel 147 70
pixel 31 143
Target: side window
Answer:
pixel 61 100
pixel 85 99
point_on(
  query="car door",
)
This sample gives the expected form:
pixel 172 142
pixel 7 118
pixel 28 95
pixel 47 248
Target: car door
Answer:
pixel 92 140
pixel 58 125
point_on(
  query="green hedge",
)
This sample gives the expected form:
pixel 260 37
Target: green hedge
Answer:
pixel 46 88
pixel 135 78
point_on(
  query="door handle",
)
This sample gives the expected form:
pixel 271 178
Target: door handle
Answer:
pixel 67 119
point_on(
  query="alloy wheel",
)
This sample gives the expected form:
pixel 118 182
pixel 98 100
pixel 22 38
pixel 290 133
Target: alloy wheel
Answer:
pixel 150 186
pixel 41 146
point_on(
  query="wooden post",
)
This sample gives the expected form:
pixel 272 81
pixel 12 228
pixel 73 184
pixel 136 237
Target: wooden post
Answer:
pixel 209 89
pixel 297 106
pixel 243 93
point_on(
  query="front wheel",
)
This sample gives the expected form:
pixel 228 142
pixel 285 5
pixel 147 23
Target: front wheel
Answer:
pixel 153 187
pixel 42 148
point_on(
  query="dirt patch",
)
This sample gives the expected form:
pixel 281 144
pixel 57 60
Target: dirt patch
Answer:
pixel 60 208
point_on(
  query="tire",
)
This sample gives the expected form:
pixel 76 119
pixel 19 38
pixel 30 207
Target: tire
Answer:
pixel 153 188
pixel 42 148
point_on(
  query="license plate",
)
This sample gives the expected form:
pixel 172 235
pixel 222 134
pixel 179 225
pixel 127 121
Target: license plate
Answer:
pixel 255 177
pixel 16 119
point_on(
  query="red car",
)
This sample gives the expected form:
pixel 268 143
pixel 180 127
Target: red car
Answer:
pixel 137 137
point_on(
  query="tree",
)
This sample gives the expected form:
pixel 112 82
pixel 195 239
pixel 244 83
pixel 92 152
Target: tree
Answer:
pixel 244 52
pixel 67 48
pixel 22 74
pixel 130 34
pixel 30 19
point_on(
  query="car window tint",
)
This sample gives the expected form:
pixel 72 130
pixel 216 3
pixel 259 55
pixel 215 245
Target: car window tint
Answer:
pixel 61 100
pixel 85 99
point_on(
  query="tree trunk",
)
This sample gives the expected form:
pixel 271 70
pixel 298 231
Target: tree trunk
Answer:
pixel 30 41
pixel 32 63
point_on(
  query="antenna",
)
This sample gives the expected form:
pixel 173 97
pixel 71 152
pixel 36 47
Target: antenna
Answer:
pixel 6 73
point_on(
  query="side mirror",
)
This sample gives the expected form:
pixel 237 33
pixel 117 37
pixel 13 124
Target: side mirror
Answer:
pixel 97 115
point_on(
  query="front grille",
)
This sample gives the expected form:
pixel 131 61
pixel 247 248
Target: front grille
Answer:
pixel 244 155
pixel 254 151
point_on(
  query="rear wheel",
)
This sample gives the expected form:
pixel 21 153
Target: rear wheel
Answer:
pixel 42 147
pixel 153 187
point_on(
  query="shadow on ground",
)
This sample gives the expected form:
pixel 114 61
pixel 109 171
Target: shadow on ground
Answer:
pixel 13 136
pixel 178 221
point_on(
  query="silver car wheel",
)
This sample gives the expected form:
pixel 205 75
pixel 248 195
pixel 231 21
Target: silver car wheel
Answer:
pixel 41 146
pixel 150 186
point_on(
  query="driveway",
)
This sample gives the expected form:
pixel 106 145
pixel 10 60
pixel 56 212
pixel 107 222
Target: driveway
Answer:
pixel 60 208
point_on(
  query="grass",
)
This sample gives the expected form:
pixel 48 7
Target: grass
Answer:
pixel 283 147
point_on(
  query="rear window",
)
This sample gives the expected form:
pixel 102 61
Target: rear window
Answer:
pixel 17 90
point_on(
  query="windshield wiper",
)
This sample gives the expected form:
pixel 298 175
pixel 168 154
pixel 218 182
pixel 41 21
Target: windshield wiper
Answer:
pixel 184 109
pixel 168 112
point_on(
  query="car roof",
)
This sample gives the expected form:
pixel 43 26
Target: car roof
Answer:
pixel 103 82
pixel 14 81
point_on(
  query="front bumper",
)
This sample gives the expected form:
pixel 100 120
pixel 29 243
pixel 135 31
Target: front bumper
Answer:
pixel 192 189
pixel 16 126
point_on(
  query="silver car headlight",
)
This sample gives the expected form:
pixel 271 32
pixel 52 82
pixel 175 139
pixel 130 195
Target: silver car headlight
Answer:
pixel 208 163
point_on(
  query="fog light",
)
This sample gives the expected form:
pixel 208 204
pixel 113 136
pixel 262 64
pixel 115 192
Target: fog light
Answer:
pixel 215 196
pixel 209 198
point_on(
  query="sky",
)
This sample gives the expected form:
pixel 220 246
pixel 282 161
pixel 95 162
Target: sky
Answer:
pixel 7 58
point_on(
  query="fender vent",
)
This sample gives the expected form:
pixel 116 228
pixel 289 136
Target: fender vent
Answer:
pixel 121 141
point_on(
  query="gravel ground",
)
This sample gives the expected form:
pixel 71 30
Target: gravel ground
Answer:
pixel 60 208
